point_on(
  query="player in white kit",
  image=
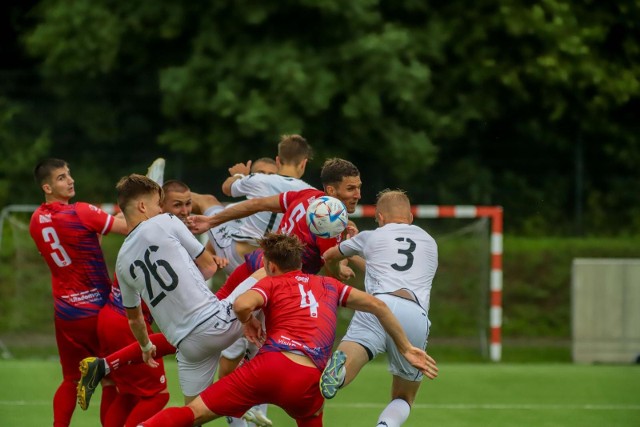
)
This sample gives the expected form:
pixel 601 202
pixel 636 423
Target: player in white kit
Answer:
pixel 293 154
pixel 401 261
pixel 221 239
pixel 162 263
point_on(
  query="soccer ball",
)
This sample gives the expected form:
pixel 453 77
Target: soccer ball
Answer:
pixel 327 217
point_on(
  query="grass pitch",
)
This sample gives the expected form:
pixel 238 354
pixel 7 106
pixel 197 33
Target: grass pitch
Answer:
pixel 464 395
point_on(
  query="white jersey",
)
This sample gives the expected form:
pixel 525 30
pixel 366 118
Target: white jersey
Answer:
pixel 398 256
pixel 257 225
pixel 155 263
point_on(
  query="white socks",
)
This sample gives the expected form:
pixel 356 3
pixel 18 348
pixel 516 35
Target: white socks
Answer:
pixel 236 422
pixel 395 414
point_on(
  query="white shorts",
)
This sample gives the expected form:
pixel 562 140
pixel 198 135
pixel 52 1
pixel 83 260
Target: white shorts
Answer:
pixel 366 330
pixel 222 242
pixel 240 348
pixel 243 347
pixel 199 352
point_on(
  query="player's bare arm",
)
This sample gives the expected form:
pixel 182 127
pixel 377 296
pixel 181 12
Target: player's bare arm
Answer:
pixel 139 330
pixel 362 301
pixel 236 172
pixel 119 224
pixel 199 223
pixel 206 264
pixel 244 307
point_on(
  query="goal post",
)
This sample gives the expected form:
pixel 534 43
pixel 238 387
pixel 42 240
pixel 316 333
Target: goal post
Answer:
pixel 495 215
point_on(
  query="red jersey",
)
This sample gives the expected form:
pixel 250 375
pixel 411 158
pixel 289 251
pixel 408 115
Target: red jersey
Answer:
pixel 300 313
pixel 115 301
pixel 66 235
pixel 294 204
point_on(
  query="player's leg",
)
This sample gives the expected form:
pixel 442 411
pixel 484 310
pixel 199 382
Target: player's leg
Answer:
pixel 364 340
pixel 229 361
pixel 406 378
pixel 94 369
pixel 200 351
pixel 145 408
pixel 403 394
pixel 119 410
pixel 109 395
pixel 76 339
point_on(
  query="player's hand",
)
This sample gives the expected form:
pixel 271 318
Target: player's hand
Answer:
pixel 220 262
pixel 198 224
pixel 345 272
pixel 253 331
pixel 243 168
pixel 148 357
pixel 422 361
pixel 352 229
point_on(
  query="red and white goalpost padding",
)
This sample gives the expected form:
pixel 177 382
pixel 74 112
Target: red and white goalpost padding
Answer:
pixel 495 281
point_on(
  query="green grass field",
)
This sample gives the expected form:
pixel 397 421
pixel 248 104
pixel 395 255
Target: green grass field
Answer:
pixel 464 395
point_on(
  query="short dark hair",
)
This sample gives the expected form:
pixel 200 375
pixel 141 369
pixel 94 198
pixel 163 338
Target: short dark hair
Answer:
pixel 175 185
pixel 43 170
pixel 284 250
pixel 267 160
pixel 134 186
pixel 293 149
pixel 335 170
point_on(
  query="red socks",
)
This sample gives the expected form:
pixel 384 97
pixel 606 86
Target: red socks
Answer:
pixel 171 417
pixel 64 402
pixel 132 353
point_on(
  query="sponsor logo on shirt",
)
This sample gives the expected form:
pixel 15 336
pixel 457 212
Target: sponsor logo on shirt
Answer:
pixel 44 218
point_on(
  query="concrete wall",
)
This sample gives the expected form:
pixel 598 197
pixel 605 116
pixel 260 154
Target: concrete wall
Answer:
pixel 605 310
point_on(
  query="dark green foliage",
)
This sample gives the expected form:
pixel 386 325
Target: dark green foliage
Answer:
pixel 532 106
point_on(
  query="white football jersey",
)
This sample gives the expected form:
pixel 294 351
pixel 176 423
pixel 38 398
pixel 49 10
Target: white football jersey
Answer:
pixel 257 225
pixel 397 256
pixel 155 263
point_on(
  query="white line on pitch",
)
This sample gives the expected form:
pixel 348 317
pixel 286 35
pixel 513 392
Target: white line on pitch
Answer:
pixel 463 406
pixel 595 407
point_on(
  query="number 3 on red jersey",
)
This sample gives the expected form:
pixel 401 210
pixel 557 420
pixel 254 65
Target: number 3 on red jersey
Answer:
pixel 58 254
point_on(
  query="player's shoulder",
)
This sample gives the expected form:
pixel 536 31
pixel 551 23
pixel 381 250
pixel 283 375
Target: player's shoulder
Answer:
pixel 309 193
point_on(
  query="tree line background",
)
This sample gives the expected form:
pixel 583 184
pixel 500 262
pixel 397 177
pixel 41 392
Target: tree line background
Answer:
pixel 532 105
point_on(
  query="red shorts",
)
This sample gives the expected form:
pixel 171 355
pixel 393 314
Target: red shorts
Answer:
pixel 262 380
pixel 139 379
pixel 76 340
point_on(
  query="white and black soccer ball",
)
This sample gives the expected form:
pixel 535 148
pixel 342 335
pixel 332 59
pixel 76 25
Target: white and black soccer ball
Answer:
pixel 327 217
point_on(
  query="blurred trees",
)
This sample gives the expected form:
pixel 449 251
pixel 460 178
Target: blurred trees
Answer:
pixel 531 105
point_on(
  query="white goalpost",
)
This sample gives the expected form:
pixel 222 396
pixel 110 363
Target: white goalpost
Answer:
pixel 494 214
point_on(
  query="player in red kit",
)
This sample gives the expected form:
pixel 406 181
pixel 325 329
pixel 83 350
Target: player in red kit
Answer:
pixel 67 236
pixel 340 179
pixel 300 317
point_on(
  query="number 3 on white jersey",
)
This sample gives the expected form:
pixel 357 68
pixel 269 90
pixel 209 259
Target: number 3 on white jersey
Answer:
pixel 308 300
pixel 58 254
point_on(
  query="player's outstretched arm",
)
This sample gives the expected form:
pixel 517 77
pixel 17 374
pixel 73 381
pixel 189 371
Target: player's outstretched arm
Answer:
pixel 362 301
pixel 199 223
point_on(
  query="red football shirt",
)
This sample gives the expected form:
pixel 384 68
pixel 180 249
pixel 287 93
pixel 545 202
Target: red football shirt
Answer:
pixel 300 313
pixel 66 235
pixel 294 204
